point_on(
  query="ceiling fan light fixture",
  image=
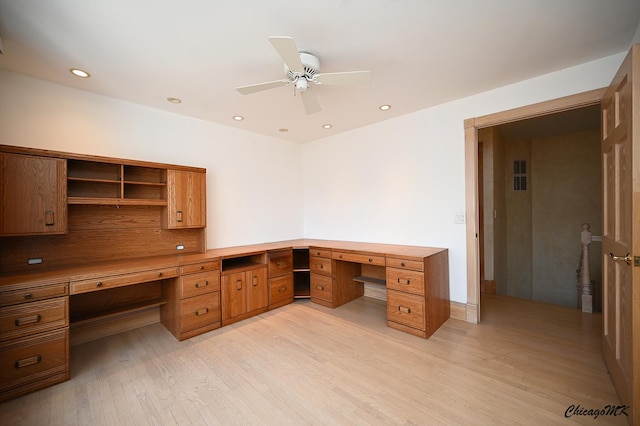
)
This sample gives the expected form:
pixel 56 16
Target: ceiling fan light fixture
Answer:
pixel 79 73
pixel 302 84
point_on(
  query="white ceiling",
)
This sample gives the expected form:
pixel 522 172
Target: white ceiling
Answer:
pixel 421 52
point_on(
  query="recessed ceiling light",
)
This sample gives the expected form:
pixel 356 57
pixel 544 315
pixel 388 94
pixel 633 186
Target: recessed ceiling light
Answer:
pixel 327 126
pixel 79 73
pixel 283 130
pixel 384 107
pixel 238 117
pixel 175 100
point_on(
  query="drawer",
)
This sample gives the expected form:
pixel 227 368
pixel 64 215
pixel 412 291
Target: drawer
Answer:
pixel 35 317
pixel 319 252
pixel 95 284
pixel 405 280
pixel 406 309
pixel 368 259
pixel 197 284
pixel 416 265
pixel 280 263
pixel 321 287
pixel 280 289
pixel 200 267
pixel 199 311
pixel 30 294
pixel 30 359
pixel 320 265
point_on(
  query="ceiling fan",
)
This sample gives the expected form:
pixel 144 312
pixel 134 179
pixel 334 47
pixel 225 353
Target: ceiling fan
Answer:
pixel 302 68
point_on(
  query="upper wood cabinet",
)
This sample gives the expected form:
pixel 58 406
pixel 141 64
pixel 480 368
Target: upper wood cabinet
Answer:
pixel 186 199
pixel 33 195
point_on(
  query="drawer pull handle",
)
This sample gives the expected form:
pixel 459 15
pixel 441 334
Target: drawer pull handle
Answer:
pixel 202 312
pixel 159 274
pixel 320 287
pixel 281 264
pixel 404 281
pixel 179 216
pixel 28 320
pixel 99 284
pixel 49 218
pixel 340 256
pixel 239 285
pixel 404 309
pixel 403 264
pixel 319 266
pixel 206 283
pixel 255 281
pixel 318 253
pixel 282 289
pixel 201 267
pixel 28 296
pixel 28 361
pixel 370 260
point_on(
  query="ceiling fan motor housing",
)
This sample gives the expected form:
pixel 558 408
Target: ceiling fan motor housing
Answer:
pixel 310 63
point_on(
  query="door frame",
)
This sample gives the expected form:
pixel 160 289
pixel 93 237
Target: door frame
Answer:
pixel 471 127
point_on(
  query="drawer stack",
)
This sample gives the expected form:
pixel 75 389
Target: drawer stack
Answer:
pixel 193 304
pixel 321 276
pixel 417 294
pixel 34 335
pixel 280 278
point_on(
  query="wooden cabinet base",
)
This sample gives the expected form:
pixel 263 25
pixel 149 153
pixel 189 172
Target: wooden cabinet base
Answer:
pixel 406 329
pixel 246 315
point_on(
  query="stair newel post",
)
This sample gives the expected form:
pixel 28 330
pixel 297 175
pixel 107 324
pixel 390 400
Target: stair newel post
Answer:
pixel 584 277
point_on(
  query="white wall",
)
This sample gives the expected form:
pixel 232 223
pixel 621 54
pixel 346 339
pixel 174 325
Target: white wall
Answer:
pixel 253 191
pixel 402 180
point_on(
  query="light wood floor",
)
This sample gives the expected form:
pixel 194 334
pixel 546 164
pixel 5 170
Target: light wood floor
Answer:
pixel 306 364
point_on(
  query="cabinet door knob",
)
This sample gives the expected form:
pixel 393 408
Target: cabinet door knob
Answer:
pixel 239 285
pixel 159 274
pixel 49 218
pixel 403 264
pixel 99 284
pixel 179 216
pixel 255 281
pixel 28 296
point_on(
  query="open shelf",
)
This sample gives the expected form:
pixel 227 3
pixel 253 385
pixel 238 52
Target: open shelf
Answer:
pixel 371 280
pixel 242 263
pixel 91 182
pixel 85 319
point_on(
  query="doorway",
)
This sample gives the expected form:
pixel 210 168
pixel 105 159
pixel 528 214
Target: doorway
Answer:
pixel 472 127
pixel 539 181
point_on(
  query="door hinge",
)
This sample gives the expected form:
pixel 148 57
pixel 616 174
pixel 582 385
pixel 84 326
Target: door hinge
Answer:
pixel 636 260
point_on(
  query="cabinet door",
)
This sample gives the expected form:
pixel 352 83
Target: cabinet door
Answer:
pixel 234 295
pixel 33 195
pixel 257 289
pixel 186 199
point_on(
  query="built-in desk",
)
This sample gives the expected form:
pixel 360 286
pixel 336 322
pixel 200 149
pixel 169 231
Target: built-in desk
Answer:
pixel 42 313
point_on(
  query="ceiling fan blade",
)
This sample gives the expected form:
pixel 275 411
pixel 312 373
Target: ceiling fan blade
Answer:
pixel 253 88
pixel 343 78
pixel 288 51
pixel 311 104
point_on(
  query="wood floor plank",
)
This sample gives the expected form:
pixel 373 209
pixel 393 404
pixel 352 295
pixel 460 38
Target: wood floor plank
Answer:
pixel 525 363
